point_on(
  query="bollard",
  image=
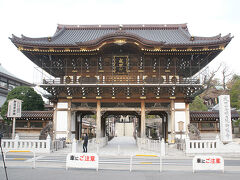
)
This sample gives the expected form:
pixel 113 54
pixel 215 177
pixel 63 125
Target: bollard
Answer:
pixel 118 149
pixel 16 141
pixel 97 148
pixel 74 146
pixel 163 150
pixel 48 143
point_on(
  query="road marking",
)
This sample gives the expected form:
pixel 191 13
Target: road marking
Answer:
pixel 19 159
pixel 147 155
pixel 18 151
pixel 145 163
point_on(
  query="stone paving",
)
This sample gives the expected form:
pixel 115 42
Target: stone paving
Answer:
pixel 124 146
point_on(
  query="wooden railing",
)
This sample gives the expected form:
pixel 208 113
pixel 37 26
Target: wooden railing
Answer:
pixel 118 80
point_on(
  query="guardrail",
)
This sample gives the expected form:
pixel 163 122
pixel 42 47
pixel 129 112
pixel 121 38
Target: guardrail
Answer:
pixel 142 163
pixel 21 151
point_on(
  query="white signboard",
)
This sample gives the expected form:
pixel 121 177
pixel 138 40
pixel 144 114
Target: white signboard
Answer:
pixel 14 108
pixel 208 163
pixel 179 105
pixel 62 105
pixel 82 160
pixel 225 118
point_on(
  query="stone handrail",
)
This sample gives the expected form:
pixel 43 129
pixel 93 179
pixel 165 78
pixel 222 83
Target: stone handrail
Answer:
pixel 152 145
pixel 202 146
pixel 39 146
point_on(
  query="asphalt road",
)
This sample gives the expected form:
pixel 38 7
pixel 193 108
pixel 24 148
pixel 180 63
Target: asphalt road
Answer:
pixel 116 160
pixel 78 174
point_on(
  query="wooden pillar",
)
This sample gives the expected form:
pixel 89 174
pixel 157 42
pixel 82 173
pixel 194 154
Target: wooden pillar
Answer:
pixel 69 117
pixel 54 120
pixel 76 126
pixel 187 116
pixel 98 120
pixel 166 128
pixel 103 126
pixel 28 124
pixel 80 125
pixel 172 122
pixel 163 126
pixel 143 125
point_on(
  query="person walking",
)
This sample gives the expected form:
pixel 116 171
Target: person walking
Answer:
pixel 85 143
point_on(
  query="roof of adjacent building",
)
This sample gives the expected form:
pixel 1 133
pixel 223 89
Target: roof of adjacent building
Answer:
pixel 36 115
pixel 209 115
pixel 7 74
pixel 155 34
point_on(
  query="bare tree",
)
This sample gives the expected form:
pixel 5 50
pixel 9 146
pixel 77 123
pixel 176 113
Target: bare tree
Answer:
pixel 225 74
pixel 209 77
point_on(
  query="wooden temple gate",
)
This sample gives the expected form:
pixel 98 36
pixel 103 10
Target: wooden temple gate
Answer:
pixel 140 69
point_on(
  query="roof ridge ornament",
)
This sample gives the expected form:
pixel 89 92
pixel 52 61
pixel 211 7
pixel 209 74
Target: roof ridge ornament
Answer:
pixel 120 27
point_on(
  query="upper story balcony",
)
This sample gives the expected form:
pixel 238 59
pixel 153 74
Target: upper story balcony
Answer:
pixel 118 76
pixel 120 81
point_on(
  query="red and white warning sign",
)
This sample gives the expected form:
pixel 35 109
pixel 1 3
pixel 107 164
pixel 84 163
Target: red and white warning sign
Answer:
pixel 208 163
pixel 82 160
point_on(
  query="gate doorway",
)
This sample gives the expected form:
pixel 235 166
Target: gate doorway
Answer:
pixel 121 123
pixel 124 127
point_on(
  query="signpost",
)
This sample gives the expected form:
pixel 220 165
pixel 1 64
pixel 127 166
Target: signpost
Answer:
pixel 82 160
pixel 225 118
pixel 208 163
pixel 14 110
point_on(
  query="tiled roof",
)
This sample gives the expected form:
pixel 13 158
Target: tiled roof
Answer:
pixel 209 115
pixel 37 114
pixel 73 35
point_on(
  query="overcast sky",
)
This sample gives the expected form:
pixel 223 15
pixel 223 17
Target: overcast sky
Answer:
pixel 39 18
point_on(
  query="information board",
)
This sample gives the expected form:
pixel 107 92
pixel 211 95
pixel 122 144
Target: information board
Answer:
pixel 225 118
pixel 14 108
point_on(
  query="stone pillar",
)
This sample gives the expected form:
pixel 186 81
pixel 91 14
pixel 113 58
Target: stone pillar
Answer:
pixel 143 125
pixel 54 120
pixel 98 120
pixel 69 117
pixel 172 122
pixel 187 116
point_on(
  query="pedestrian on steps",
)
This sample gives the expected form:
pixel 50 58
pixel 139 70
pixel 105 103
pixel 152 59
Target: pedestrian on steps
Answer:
pixel 85 143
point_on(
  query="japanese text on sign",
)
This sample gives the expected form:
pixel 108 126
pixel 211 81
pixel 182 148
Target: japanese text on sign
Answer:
pixel 82 160
pixel 225 118
pixel 208 163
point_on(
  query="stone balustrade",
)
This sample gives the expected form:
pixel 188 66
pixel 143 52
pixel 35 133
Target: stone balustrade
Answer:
pixel 152 145
pixel 38 146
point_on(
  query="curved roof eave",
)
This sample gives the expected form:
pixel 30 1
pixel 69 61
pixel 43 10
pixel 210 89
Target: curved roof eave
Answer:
pixel 180 29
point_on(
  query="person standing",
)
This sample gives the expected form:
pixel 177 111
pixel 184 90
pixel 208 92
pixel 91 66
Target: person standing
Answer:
pixel 85 143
